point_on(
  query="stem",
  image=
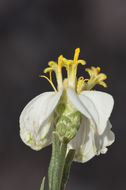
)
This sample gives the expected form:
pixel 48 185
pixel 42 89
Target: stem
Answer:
pixel 60 163
pixel 57 162
pixel 54 163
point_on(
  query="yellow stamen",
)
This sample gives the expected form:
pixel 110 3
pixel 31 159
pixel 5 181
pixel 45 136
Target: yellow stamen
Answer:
pixel 76 55
pixel 48 69
pixel 95 78
pixel 60 60
pixel 71 67
pixel 81 61
pixel 43 76
pixel 80 84
pixel 59 72
pixel 50 76
pixel 57 68
pixel 51 63
pixel 59 64
pixel 86 80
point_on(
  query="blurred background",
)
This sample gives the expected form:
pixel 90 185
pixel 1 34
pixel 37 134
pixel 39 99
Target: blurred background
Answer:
pixel 31 34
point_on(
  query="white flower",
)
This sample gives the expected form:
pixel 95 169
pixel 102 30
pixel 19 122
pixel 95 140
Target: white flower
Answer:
pixel 74 111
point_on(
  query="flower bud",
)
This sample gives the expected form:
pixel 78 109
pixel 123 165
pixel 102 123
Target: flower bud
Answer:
pixel 67 119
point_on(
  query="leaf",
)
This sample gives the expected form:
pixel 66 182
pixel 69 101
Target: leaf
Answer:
pixel 67 166
pixel 43 184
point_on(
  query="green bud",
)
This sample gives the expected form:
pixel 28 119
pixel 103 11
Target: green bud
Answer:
pixel 67 119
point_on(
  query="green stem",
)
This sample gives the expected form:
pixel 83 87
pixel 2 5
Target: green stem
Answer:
pixel 57 162
pixel 60 163
pixel 54 163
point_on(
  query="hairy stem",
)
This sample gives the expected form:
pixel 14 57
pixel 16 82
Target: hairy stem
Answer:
pixel 60 163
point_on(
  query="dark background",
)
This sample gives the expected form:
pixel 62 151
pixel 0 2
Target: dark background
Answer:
pixel 32 32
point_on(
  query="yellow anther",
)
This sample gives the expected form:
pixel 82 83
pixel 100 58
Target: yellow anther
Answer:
pixel 51 63
pixel 76 54
pixel 60 56
pixel 98 69
pixel 43 76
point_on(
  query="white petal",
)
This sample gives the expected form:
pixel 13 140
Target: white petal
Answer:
pixel 35 119
pixel 83 142
pixel 87 143
pixel 35 140
pixel 103 104
pixel 96 106
pixel 104 140
pixel 83 104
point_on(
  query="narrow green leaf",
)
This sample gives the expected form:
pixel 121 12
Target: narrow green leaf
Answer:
pixel 68 162
pixel 43 184
pixel 63 150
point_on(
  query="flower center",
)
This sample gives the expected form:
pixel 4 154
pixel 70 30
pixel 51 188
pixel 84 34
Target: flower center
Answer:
pixel 71 68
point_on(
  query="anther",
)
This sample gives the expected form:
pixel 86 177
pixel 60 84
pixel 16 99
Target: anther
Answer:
pixel 98 69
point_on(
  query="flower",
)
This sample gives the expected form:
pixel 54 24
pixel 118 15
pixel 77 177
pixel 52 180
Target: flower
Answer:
pixel 73 110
